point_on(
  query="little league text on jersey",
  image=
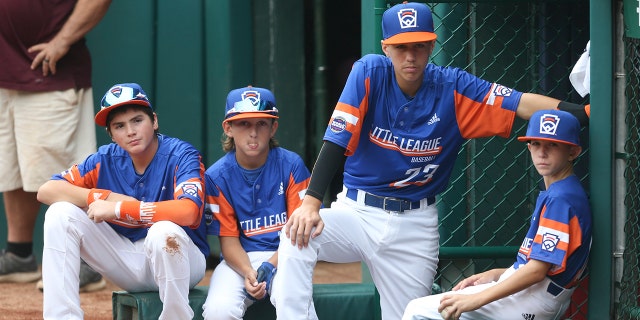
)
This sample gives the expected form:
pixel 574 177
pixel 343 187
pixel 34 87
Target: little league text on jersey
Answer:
pixel 408 147
pixel 264 224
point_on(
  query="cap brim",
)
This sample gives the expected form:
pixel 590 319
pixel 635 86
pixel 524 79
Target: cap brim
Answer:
pixel 250 115
pixel 527 139
pixel 410 37
pixel 101 116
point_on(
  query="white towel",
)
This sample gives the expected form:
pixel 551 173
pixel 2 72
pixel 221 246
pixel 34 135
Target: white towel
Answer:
pixel 580 76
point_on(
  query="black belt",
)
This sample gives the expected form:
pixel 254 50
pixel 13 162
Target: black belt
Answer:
pixel 554 289
pixel 388 203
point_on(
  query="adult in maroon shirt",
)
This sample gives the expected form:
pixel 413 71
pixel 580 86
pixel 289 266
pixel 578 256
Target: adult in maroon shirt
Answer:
pixel 46 107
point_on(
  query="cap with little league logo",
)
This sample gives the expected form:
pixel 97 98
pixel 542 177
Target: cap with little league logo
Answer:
pixel 407 22
pixel 121 95
pixel 250 102
pixel 553 125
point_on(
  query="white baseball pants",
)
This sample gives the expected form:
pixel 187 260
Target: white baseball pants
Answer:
pixel 400 249
pixel 226 299
pixel 532 303
pixel 166 261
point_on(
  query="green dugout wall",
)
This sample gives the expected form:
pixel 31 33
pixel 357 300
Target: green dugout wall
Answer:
pixel 188 54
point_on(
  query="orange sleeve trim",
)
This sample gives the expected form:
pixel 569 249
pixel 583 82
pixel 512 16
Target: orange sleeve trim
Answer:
pixel 555 225
pixel 227 218
pixel 354 125
pixel 295 194
pixel 575 235
pixel 587 109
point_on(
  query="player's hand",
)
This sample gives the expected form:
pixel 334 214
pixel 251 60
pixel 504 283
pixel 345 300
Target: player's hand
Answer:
pixel 303 221
pixel 48 55
pixel 480 278
pixel 254 289
pixel 101 210
pixel 453 305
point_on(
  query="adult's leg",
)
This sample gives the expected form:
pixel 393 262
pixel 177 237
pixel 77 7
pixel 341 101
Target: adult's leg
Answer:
pixel 21 208
pixel 17 264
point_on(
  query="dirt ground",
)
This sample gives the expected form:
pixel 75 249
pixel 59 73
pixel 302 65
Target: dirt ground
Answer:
pixel 24 301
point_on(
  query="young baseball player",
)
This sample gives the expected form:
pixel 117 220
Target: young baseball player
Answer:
pixel 133 211
pixel 251 192
pixel 554 253
pixel 400 122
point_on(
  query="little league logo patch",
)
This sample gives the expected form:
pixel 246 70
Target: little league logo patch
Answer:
pixel 190 189
pixel 500 90
pixel 549 242
pixel 549 124
pixel 252 96
pixel 116 92
pixel 338 124
pixel 408 18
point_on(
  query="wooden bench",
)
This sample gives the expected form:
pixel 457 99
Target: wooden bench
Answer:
pixel 353 301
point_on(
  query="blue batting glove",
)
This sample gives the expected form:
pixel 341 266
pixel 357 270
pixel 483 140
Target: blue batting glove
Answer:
pixel 266 272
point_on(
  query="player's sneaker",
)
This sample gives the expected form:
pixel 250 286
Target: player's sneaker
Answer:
pixel 90 280
pixel 17 269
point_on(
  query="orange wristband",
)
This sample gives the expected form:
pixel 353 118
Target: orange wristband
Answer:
pixel 130 210
pixel 95 194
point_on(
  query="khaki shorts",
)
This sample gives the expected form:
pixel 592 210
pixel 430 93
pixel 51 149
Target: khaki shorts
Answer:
pixel 43 133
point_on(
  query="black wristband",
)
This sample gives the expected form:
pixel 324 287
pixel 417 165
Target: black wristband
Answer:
pixel 577 110
pixel 329 160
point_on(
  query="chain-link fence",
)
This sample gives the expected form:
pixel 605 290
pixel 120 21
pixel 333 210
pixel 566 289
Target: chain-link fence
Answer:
pixel 531 47
pixel 629 301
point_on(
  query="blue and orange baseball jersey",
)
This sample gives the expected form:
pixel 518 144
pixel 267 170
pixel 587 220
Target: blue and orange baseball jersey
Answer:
pixel 176 172
pixel 254 211
pixel 560 232
pixel 406 147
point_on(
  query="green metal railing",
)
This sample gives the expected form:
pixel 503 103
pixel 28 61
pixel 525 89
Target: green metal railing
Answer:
pixel 629 301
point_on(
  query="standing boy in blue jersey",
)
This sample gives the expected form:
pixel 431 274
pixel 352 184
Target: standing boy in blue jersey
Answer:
pixel 554 253
pixel 400 122
pixel 133 211
pixel 251 192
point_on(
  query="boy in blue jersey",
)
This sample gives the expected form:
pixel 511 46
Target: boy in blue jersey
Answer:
pixel 400 122
pixel 251 192
pixel 133 211
pixel 554 253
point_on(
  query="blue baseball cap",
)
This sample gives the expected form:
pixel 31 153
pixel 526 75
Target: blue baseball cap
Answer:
pixel 553 125
pixel 407 22
pixel 250 102
pixel 121 95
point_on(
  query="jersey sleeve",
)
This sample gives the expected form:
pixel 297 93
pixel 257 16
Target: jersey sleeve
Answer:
pixel 484 109
pixel 345 124
pixel 557 235
pixel 298 184
pixel 224 221
pixel 84 174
